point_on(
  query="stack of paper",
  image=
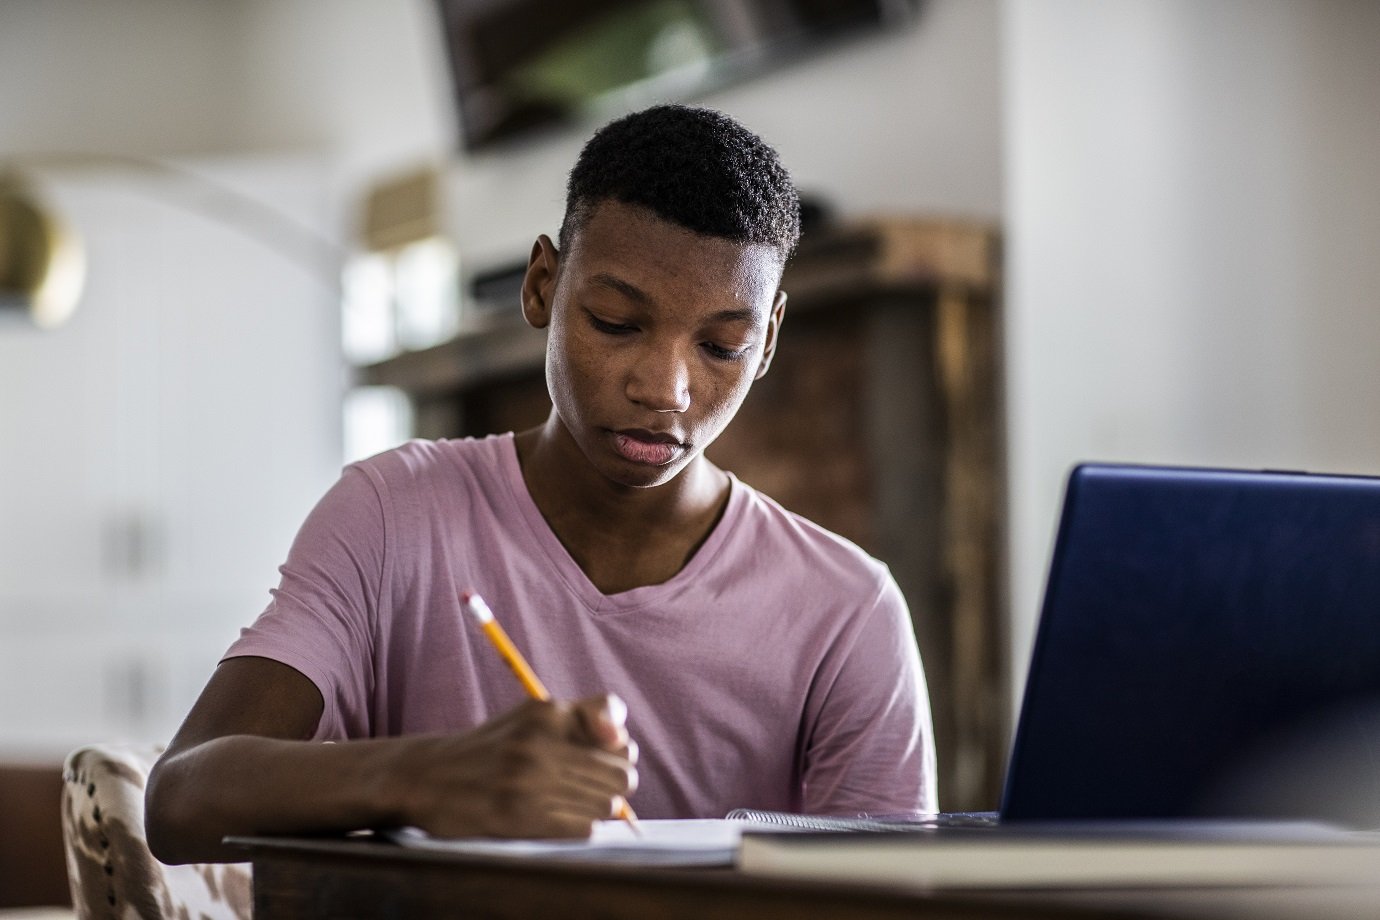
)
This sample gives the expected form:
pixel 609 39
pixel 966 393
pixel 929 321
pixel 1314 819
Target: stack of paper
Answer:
pixel 660 843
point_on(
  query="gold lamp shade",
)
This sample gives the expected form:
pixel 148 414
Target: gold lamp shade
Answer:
pixel 42 266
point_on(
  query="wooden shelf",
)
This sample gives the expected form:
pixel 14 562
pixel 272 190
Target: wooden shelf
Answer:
pixel 504 347
pixel 867 258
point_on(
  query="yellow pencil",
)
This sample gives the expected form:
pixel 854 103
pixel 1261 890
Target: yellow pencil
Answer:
pixel 476 607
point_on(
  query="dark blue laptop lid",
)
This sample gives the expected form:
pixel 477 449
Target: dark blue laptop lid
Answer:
pixel 1209 646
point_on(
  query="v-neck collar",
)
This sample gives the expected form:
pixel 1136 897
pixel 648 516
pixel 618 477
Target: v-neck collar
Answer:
pixel 565 566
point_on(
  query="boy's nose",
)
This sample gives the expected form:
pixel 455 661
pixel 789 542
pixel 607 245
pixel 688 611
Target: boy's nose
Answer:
pixel 660 381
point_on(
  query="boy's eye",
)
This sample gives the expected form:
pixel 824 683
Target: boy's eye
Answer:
pixel 727 354
pixel 610 328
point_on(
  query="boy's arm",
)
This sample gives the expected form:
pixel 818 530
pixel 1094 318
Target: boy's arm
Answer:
pixel 241 764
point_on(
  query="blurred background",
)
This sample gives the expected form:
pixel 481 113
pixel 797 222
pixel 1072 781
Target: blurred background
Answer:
pixel 279 235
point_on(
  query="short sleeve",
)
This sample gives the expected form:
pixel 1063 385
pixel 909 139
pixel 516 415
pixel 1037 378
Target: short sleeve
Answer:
pixel 322 616
pixel 870 743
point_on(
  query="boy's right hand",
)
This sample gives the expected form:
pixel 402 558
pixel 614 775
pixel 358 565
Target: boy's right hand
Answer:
pixel 242 764
pixel 542 769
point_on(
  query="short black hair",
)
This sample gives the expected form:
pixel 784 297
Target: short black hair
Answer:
pixel 694 167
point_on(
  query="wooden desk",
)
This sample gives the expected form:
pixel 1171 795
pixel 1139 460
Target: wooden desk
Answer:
pixel 301 878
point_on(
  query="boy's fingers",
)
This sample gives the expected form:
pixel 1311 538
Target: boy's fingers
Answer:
pixel 602 721
pixel 606 772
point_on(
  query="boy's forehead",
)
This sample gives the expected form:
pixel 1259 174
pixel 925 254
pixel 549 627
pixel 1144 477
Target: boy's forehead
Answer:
pixel 636 239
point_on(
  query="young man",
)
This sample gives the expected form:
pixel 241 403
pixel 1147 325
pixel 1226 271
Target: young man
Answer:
pixel 764 662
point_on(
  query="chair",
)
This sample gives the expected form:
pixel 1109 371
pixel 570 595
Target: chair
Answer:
pixel 110 870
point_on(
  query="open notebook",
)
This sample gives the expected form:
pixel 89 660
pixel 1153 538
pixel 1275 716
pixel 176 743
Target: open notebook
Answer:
pixel 656 843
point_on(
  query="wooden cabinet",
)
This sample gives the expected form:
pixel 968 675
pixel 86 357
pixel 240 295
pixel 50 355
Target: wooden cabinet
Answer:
pixel 880 419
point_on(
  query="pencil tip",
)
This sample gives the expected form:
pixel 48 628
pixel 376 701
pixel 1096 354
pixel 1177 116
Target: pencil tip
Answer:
pixel 627 814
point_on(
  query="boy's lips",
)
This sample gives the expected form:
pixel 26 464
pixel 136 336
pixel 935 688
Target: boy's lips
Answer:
pixel 652 448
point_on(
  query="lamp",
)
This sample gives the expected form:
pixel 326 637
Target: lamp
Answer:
pixel 42 264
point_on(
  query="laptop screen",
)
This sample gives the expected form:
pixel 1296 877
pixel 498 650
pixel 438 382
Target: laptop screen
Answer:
pixel 1209 646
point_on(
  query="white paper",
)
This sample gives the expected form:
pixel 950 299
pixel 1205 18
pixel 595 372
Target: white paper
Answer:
pixel 661 843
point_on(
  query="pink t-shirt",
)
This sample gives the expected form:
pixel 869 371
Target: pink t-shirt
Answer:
pixel 777 670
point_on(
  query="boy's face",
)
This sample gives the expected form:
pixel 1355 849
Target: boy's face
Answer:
pixel 655 336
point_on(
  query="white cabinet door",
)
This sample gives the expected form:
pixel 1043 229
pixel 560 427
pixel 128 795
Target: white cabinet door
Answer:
pixel 158 452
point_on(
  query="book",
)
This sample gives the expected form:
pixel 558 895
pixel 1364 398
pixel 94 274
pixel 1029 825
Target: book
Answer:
pixel 1083 855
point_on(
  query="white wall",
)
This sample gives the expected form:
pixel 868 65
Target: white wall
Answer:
pixel 361 79
pixel 358 83
pixel 191 407
pixel 140 76
pixel 160 449
pixel 905 122
pixel 1193 239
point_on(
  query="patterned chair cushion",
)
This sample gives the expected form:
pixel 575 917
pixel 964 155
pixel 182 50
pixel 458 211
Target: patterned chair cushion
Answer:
pixel 109 867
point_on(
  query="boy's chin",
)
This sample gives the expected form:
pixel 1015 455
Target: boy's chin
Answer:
pixel 642 476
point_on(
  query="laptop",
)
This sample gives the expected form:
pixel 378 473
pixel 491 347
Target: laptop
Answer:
pixel 1209 647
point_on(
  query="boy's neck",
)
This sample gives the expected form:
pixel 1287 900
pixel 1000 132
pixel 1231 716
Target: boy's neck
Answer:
pixel 622 537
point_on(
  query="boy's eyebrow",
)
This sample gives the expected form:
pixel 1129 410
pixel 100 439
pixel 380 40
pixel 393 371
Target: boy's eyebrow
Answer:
pixel 635 293
pixel 740 315
pixel 626 288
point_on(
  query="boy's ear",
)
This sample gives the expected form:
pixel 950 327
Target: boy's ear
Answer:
pixel 539 283
pixel 778 316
